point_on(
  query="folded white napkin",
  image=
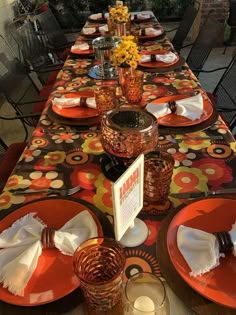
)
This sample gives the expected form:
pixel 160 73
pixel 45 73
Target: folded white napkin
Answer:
pixel 81 46
pixel 191 107
pixel 98 16
pixel 88 30
pixel 103 29
pixel 66 102
pixel 150 31
pixel 140 16
pixel 201 249
pixel 166 58
pixel 21 246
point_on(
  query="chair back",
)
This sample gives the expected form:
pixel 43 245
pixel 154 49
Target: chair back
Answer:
pixel 3 148
pixel 225 94
pixel 51 28
pixel 35 54
pixel 207 38
pixel 185 25
pixel 15 83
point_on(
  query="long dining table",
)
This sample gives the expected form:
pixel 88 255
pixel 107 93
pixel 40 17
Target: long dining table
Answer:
pixel 62 154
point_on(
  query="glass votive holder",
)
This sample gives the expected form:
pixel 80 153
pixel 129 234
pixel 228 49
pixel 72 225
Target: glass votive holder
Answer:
pixel 129 131
pixel 134 86
pixel 106 99
pixel 158 171
pixel 99 264
pixel 145 294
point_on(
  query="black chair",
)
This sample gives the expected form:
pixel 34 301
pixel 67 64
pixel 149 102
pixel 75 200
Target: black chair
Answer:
pixel 208 37
pixel 185 25
pixel 225 95
pixel 19 89
pixel 57 39
pixel 35 55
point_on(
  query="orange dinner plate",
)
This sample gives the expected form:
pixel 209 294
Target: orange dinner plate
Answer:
pixel 210 215
pixel 76 112
pixel 157 64
pixel 53 277
pixel 173 120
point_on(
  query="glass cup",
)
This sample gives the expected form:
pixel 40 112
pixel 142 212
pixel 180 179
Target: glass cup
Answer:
pixel 134 86
pixel 129 131
pixel 158 170
pixel 99 264
pixel 105 97
pixel 145 294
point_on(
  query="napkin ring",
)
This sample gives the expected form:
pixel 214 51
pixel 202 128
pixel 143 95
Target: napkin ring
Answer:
pixel 47 237
pixel 82 102
pixel 172 106
pixel 224 240
pixel 153 58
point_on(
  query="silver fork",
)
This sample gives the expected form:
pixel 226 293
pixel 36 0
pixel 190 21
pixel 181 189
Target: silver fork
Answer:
pixel 61 192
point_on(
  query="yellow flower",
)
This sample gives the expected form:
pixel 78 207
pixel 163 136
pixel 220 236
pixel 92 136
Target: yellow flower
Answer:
pixel 119 14
pixel 126 52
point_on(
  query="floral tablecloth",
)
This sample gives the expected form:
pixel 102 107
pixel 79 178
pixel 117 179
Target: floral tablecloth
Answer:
pixel 65 158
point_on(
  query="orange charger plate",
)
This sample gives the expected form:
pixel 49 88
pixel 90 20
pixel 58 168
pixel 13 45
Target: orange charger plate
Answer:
pixel 53 277
pixel 210 215
pixel 76 112
pixel 173 120
pixel 157 64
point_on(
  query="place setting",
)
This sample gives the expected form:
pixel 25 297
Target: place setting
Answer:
pixel 183 113
pixel 140 17
pixel 61 224
pixel 78 108
pixel 94 30
pixel 82 48
pixel 210 275
pixel 99 17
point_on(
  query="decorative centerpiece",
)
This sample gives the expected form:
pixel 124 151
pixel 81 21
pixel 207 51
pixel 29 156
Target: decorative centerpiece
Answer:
pixel 119 17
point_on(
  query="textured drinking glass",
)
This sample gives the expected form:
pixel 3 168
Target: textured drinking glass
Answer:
pixel 128 132
pixel 145 294
pixel 99 264
pixel 134 86
pixel 106 99
pixel 158 170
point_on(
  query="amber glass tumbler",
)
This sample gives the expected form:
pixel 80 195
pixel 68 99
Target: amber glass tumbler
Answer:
pixel 134 86
pixel 99 264
pixel 105 97
pixel 158 170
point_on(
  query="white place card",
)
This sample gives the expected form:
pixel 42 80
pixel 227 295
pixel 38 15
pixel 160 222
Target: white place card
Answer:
pixel 127 194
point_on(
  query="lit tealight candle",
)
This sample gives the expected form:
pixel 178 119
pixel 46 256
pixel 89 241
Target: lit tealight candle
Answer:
pixel 144 304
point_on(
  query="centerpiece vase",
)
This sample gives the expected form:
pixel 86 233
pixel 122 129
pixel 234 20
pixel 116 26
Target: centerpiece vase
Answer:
pixel 121 77
pixel 120 29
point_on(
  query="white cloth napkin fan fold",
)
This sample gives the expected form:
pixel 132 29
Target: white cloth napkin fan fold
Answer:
pixel 191 107
pixel 21 246
pixel 66 102
pixel 201 249
pixel 166 58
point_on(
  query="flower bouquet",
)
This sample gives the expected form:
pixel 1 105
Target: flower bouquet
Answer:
pixel 126 53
